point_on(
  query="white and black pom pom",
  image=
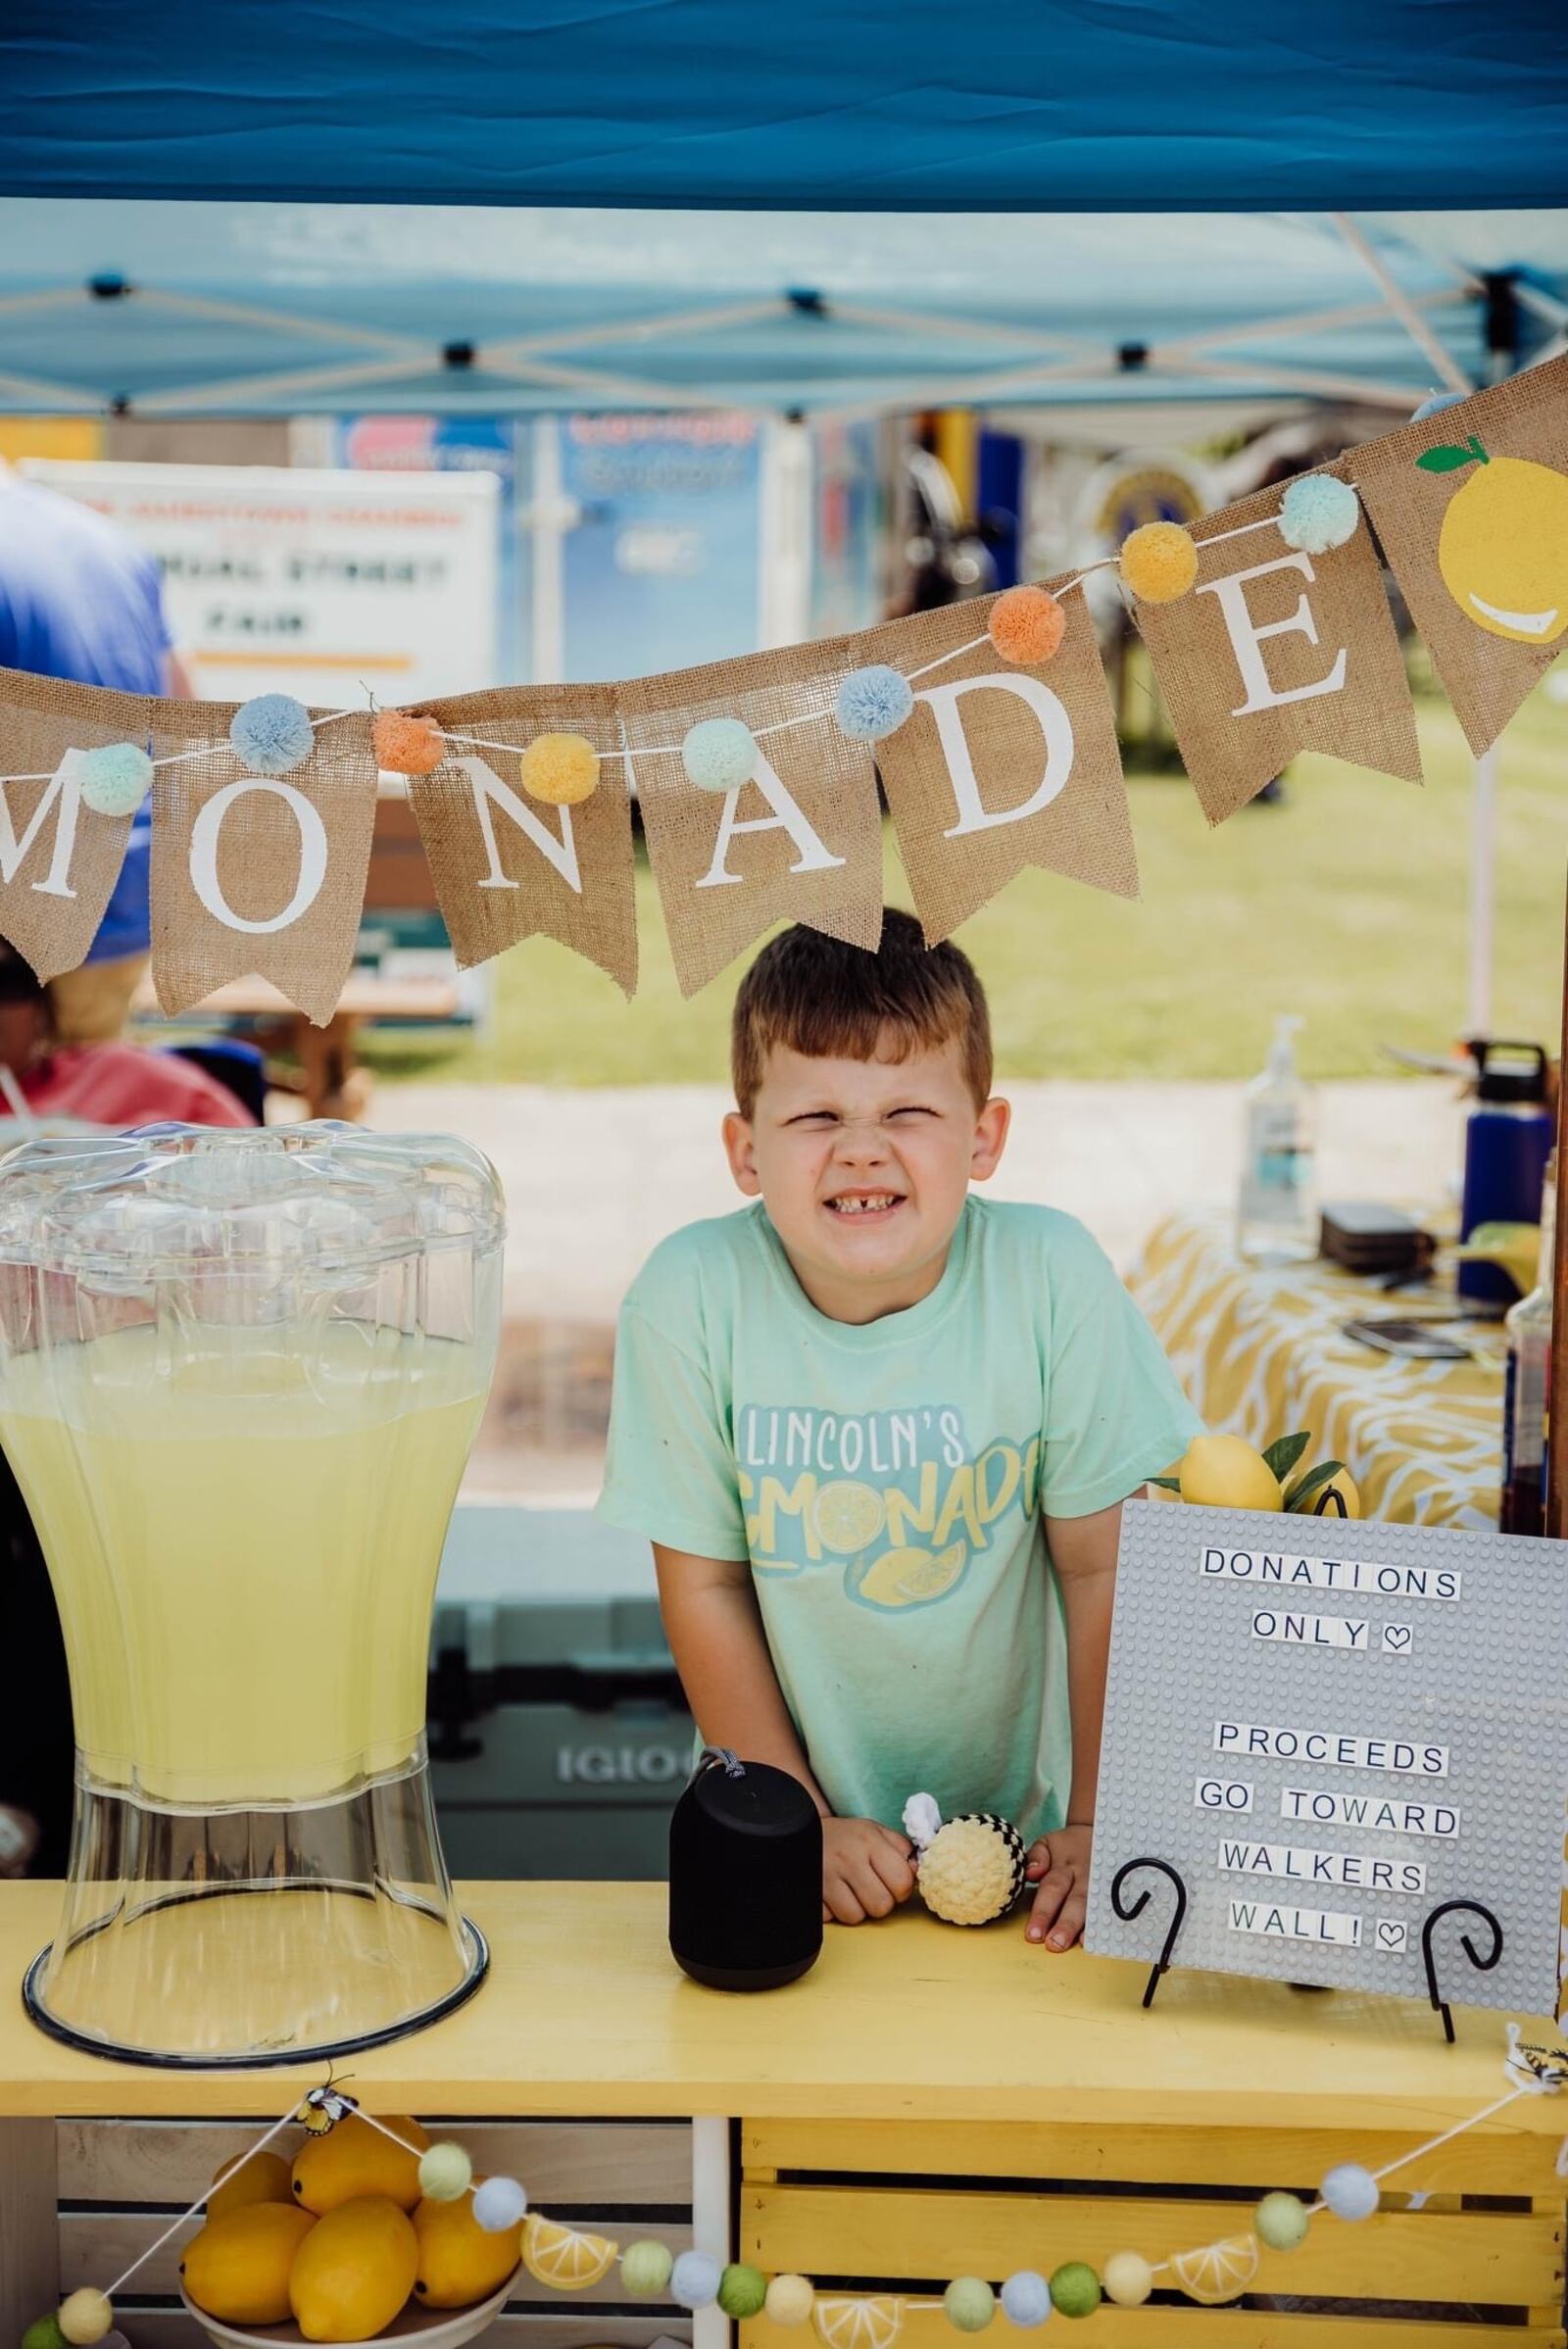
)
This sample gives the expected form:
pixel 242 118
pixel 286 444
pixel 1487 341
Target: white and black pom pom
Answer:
pixel 972 1869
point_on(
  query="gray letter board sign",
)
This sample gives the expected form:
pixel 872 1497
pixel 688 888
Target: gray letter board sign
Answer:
pixel 1329 1729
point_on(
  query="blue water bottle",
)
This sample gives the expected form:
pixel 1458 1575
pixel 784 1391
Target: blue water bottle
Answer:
pixel 1507 1144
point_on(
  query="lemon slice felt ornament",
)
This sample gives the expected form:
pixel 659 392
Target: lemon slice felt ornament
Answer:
pixel 857 2324
pixel 562 2257
pixel 1218 2272
pixel 971 1870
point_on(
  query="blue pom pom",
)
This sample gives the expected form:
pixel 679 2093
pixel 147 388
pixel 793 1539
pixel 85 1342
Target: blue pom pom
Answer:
pixel 1319 512
pixel 874 703
pixel 115 779
pixel 1437 404
pixel 719 753
pixel 1026 2299
pixel 694 2278
pixel 272 733
pixel 1350 2191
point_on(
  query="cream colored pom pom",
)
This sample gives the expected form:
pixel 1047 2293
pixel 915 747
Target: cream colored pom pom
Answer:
pixel 972 1870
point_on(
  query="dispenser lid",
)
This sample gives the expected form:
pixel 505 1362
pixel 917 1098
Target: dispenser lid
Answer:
pixel 1509 1072
pixel 323 1196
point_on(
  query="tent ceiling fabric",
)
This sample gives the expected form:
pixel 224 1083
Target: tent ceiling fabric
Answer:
pixel 885 104
pixel 218 307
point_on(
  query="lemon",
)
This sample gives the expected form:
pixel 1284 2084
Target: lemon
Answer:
pixel 848 1516
pixel 252 2177
pixel 1219 2272
pixel 1224 1472
pixel 354 2159
pixel 458 2262
pixel 902 1577
pixel 560 2257
pixel 1504 548
pixel 237 2266
pixel 857 2324
pixel 354 2271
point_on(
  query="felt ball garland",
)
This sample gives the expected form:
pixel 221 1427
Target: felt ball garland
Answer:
pixel 499 2205
pixel 406 745
pixel 1026 625
pixel 873 703
pixel 272 733
pixel 1026 2299
pixel 969 2304
pixel 646 2269
pixel 1158 563
pixel 445 2173
pixel 1319 512
pixel 719 753
pixel 695 2280
pixel 1074 2288
pixel 85 2316
pixel 560 770
pixel 790 2300
pixel 114 779
pixel 742 2292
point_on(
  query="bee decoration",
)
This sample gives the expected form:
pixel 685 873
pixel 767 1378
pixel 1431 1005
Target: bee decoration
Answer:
pixel 324 2107
pixel 1545 2069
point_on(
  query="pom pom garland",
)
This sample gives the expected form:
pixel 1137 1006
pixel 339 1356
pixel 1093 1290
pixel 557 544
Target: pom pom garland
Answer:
pixel 1128 2278
pixel 115 779
pixel 873 703
pixel 405 745
pixel 272 733
pixel 85 2316
pixel 742 2291
pixel 695 2280
pixel 645 2270
pixel 445 2173
pixel 1350 2191
pixel 969 2304
pixel 719 753
pixel 1075 2289
pixel 1026 2299
pixel 1158 563
pixel 499 2204
pixel 1026 625
pixel 560 770
pixel 1319 512
pixel 790 2300
pixel 1281 2221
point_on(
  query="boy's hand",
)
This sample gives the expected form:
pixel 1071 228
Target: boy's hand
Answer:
pixel 1058 1869
pixel 866 1870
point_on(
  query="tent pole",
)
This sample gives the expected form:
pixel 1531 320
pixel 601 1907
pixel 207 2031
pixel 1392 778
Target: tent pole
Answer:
pixel 1483 893
pixel 1557 1379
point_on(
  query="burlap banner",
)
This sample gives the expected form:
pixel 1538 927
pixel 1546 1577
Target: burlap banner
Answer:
pixel 800 842
pixel 1275 652
pixel 505 865
pixel 1472 509
pixel 1001 766
pixel 259 873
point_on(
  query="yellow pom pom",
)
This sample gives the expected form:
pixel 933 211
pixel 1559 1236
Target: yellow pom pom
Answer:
pixel 1158 563
pixel 85 2316
pixel 561 770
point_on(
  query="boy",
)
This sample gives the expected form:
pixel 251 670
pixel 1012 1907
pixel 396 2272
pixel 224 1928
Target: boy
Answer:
pixel 879 1431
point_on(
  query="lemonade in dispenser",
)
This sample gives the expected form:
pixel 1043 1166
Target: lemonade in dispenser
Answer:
pixel 240 1374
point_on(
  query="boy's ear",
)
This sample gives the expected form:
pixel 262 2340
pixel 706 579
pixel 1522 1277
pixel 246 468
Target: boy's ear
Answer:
pixel 740 1151
pixel 990 1138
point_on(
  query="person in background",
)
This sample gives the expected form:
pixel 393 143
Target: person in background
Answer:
pixel 109 1084
pixel 81 600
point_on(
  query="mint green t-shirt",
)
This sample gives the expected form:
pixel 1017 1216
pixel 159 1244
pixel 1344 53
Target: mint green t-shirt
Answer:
pixel 886 1483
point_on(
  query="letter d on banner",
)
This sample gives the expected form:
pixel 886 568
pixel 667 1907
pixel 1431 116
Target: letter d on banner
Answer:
pixel 254 874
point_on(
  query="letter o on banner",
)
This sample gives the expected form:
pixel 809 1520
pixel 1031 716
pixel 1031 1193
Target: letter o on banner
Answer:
pixel 203 838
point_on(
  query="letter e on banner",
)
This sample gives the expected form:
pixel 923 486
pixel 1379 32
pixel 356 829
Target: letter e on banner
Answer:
pixel 1249 634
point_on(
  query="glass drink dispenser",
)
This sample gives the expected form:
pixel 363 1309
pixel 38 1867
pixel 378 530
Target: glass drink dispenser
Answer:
pixel 240 1374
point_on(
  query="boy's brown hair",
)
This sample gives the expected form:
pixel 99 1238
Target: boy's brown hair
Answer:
pixel 829 1001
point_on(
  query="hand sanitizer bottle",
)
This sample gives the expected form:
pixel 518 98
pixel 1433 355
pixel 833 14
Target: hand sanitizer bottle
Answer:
pixel 1277 1212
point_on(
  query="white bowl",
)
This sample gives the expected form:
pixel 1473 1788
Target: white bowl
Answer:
pixel 430 2327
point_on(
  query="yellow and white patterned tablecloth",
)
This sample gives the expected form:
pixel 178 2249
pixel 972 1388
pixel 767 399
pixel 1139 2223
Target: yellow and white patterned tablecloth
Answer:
pixel 1261 1352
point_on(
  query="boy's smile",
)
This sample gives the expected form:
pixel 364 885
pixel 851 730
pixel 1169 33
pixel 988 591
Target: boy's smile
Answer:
pixel 863 1168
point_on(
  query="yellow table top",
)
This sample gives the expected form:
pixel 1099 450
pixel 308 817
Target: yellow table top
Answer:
pixel 585 2014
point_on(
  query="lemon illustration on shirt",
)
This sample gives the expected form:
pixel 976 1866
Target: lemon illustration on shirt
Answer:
pixel 902 1578
pixel 848 1516
pixel 1504 547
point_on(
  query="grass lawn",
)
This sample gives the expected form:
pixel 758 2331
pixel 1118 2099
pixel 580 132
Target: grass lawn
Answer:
pixel 1348 903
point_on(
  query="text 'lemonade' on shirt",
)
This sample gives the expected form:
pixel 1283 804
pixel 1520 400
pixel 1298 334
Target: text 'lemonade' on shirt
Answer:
pixel 886 1481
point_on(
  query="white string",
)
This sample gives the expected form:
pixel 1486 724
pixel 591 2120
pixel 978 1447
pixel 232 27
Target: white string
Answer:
pixel 170 2233
pixel 209 750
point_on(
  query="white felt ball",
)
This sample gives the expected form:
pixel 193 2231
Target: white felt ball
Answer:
pixel 1350 2191
pixel 694 2282
pixel 1128 2278
pixel 1026 2299
pixel 499 2204
pixel 114 779
pixel 790 2300
pixel 445 2173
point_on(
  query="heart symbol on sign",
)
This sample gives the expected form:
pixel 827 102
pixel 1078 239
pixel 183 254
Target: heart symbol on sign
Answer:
pixel 1395 1637
pixel 1391 1937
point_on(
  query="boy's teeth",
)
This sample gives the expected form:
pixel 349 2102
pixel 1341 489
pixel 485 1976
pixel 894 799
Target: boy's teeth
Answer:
pixel 861 1206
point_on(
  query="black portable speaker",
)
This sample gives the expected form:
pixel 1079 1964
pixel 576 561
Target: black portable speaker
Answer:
pixel 745 1876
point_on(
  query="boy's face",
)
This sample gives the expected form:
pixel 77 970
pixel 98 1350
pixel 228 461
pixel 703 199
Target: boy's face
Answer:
pixel 863 1166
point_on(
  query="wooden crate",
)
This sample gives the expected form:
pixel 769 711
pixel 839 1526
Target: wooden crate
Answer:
pixel 1479 2256
pixel 82 2197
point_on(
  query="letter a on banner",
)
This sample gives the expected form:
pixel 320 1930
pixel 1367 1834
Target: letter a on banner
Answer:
pixel 1276 651
pixel 800 842
pixel 506 866
pixel 1001 766
pixel 262 873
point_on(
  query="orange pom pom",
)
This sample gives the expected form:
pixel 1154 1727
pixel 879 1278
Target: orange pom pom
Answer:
pixel 1027 624
pixel 406 746
pixel 1158 563
pixel 561 770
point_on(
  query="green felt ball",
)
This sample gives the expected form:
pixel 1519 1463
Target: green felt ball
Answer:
pixel 44 2333
pixel 445 2172
pixel 970 2304
pixel 742 2291
pixel 646 2269
pixel 1075 2289
pixel 1281 2221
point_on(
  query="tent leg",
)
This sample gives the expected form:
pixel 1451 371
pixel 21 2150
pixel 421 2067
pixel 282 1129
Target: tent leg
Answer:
pixel 1557 1379
pixel 1483 893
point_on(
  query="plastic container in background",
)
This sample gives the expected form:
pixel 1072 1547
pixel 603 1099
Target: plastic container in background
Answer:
pixel 1276 1221
pixel 1507 1140
pixel 1525 1434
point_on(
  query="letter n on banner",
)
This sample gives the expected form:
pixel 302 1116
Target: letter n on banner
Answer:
pixel 262 873
pixel 1276 651
pixel 1001 766
pixel 800 842
pixel 1472 509
pixel 507 867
